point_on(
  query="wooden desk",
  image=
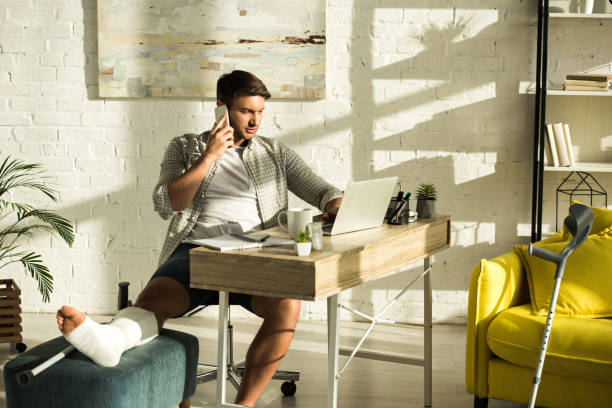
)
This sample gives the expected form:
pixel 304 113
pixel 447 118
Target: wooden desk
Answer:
pixel 345 261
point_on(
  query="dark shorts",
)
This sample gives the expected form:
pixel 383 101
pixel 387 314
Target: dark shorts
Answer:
pixel 177 268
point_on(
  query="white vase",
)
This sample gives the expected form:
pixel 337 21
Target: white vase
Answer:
pixel 587 6
pixel 303 248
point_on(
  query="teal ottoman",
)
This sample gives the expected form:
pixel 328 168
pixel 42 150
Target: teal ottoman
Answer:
pixel 159 374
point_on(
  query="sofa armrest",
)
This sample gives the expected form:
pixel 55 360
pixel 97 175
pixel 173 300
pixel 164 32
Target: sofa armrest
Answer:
pixel 495 285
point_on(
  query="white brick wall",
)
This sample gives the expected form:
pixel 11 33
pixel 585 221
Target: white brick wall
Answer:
pixel 428 94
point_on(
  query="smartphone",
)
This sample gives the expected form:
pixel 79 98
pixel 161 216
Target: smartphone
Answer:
pixel 220 111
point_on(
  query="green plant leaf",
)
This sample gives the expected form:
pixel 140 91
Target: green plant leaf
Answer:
pixel 303 236
pixel 61 225
pixel 426 191
pixel 15 173
pixel 33 263
pixel 25 220
pixel 20 207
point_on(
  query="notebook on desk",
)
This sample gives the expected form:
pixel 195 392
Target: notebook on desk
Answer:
pixel 363 206
pixel 229 242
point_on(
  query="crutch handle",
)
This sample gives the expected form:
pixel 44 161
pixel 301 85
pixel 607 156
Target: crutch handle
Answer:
pixel 543 253
pixel 579 223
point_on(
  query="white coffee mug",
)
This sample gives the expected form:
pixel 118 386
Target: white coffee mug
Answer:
pixel 297 219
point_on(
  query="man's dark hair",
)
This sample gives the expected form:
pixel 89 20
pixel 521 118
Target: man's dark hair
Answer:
pixel 240 83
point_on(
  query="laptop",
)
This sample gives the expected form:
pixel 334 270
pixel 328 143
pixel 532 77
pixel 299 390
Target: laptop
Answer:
pixel 363 206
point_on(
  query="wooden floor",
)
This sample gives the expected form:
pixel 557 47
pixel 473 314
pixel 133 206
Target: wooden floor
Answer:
pixel 364 384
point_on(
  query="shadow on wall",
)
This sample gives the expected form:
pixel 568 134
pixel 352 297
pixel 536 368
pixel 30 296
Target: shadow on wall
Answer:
pixel 439 132
pixel 436 134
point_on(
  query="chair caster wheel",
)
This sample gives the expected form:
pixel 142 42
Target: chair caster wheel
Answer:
pixel 289 388
pixel 18 347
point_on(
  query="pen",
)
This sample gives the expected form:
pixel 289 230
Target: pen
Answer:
pixel 400 194
pixel 262 239
pixel 397 211
pixel 398 203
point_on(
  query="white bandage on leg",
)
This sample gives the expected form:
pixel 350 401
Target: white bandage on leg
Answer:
pixel 104 343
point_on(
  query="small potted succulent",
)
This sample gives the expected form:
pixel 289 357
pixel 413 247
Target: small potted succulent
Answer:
pixel 426 200
pixel 303 244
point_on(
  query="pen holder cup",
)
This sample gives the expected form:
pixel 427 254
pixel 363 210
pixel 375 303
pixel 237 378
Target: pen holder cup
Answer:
pixel 395 217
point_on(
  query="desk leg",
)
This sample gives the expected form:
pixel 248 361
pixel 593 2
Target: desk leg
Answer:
pixel 333 348
pixel 427 320
pixel 222 349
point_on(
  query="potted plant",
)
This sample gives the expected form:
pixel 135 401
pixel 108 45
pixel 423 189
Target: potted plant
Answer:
pixel 303 244
pixel 20 220
pixel 426 200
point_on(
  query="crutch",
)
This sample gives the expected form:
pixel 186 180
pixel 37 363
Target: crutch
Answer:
pixel 579 224
pixel 24 376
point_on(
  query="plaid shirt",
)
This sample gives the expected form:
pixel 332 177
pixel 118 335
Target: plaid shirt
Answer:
pixel 273 167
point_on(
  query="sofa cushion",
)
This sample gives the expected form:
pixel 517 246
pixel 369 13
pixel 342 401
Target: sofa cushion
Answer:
pixel 602 219
pixel 578 347
pixel 587 281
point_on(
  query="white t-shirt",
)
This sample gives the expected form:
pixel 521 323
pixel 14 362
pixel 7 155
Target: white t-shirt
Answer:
pixel 230 204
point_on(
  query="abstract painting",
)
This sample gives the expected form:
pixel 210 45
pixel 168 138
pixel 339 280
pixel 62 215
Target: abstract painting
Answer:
pixel 160 48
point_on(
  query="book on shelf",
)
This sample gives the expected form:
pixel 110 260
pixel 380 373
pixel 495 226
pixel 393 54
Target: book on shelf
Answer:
pixel 577 82
pixel 568 145
pixel 559 148
pixel 585 88
pixel 587 82
pixel 590 77
pixel 560 142
pixel 550 138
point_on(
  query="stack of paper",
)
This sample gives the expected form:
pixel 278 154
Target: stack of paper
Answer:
pixel 227 242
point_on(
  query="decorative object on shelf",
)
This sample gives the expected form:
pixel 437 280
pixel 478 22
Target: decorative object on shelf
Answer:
pixel 587 6
pixel 24 220
pixel 303 244
pixel 579 183
pixel 426 200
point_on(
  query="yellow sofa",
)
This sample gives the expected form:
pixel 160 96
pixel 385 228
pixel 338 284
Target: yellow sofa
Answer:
pixel 503 339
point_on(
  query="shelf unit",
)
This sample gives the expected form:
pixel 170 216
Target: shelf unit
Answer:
pixel 561 92
pixel 580 15
pixel 584 114
pixel 593 167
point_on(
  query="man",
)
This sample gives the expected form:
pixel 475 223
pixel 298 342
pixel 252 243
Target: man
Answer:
pixel 226 180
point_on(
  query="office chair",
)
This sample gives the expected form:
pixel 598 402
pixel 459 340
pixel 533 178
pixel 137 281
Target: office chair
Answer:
pixel 235 371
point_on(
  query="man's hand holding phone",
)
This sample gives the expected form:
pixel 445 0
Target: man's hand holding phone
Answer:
pixel 221 136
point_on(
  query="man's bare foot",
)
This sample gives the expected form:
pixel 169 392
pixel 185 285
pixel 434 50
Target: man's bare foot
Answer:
pixel 68 319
